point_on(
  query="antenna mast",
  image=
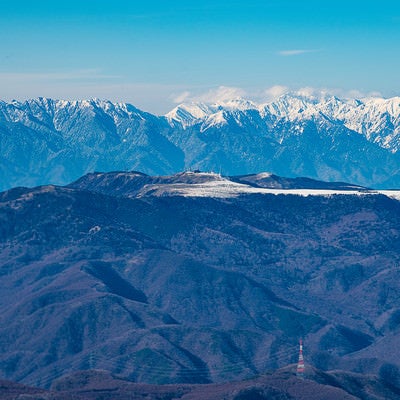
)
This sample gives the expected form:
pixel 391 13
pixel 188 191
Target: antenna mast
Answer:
pixel 300 363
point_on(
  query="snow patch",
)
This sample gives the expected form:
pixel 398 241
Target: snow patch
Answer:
pixel 263 175
pixel 224 188
pixel 94 229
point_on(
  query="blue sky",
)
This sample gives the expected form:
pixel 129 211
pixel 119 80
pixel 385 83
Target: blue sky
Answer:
pixel 156 53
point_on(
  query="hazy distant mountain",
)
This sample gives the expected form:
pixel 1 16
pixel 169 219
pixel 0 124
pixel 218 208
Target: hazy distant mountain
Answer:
pixel 196 277
pixel 47 141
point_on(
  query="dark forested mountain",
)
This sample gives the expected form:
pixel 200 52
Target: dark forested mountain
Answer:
pixel 279 385
pixel 197 278
pixel 46 141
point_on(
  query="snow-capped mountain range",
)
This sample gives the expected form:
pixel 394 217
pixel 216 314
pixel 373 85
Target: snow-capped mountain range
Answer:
pixel 378 119
pixel 55 141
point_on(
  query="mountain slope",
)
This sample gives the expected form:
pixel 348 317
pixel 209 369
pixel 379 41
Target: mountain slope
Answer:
pixel 46 141
pixel 328 139
pixel 281 384
pixel 53 141
pixel 123 272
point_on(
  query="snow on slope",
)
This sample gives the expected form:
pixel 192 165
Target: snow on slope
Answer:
pixel 220 187
pixel 56 141
pixel 54 111
pixel 376 118
pixel 210 113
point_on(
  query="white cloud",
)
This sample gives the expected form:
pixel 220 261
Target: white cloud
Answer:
pixel 374 94
pixel 357 94
pixel 220 94
pixel 312 92
pixel 318 93
pixel 295 52
pixel 181 97
pixel 224 94
pixel 275 91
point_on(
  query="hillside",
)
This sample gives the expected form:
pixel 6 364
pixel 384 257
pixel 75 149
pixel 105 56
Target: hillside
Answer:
pixel 196 278
pixel 280 385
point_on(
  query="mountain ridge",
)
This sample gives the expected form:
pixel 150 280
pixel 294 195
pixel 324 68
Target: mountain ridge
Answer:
pixel 200 288
pixel 45 141
pixel 352 113
pixel 281 384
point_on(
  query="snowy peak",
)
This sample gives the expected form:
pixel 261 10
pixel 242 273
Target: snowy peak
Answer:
pixel 378 119
pixel 56 141
pixel 189 114
pixel 44 110
pixel 212 113
pixel 291 107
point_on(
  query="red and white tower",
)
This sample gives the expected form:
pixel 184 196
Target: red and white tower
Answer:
pixel 300 363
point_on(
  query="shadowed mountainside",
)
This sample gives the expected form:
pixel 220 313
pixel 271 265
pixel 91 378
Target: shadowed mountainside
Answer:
pixel 123 273
pixel 280 385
